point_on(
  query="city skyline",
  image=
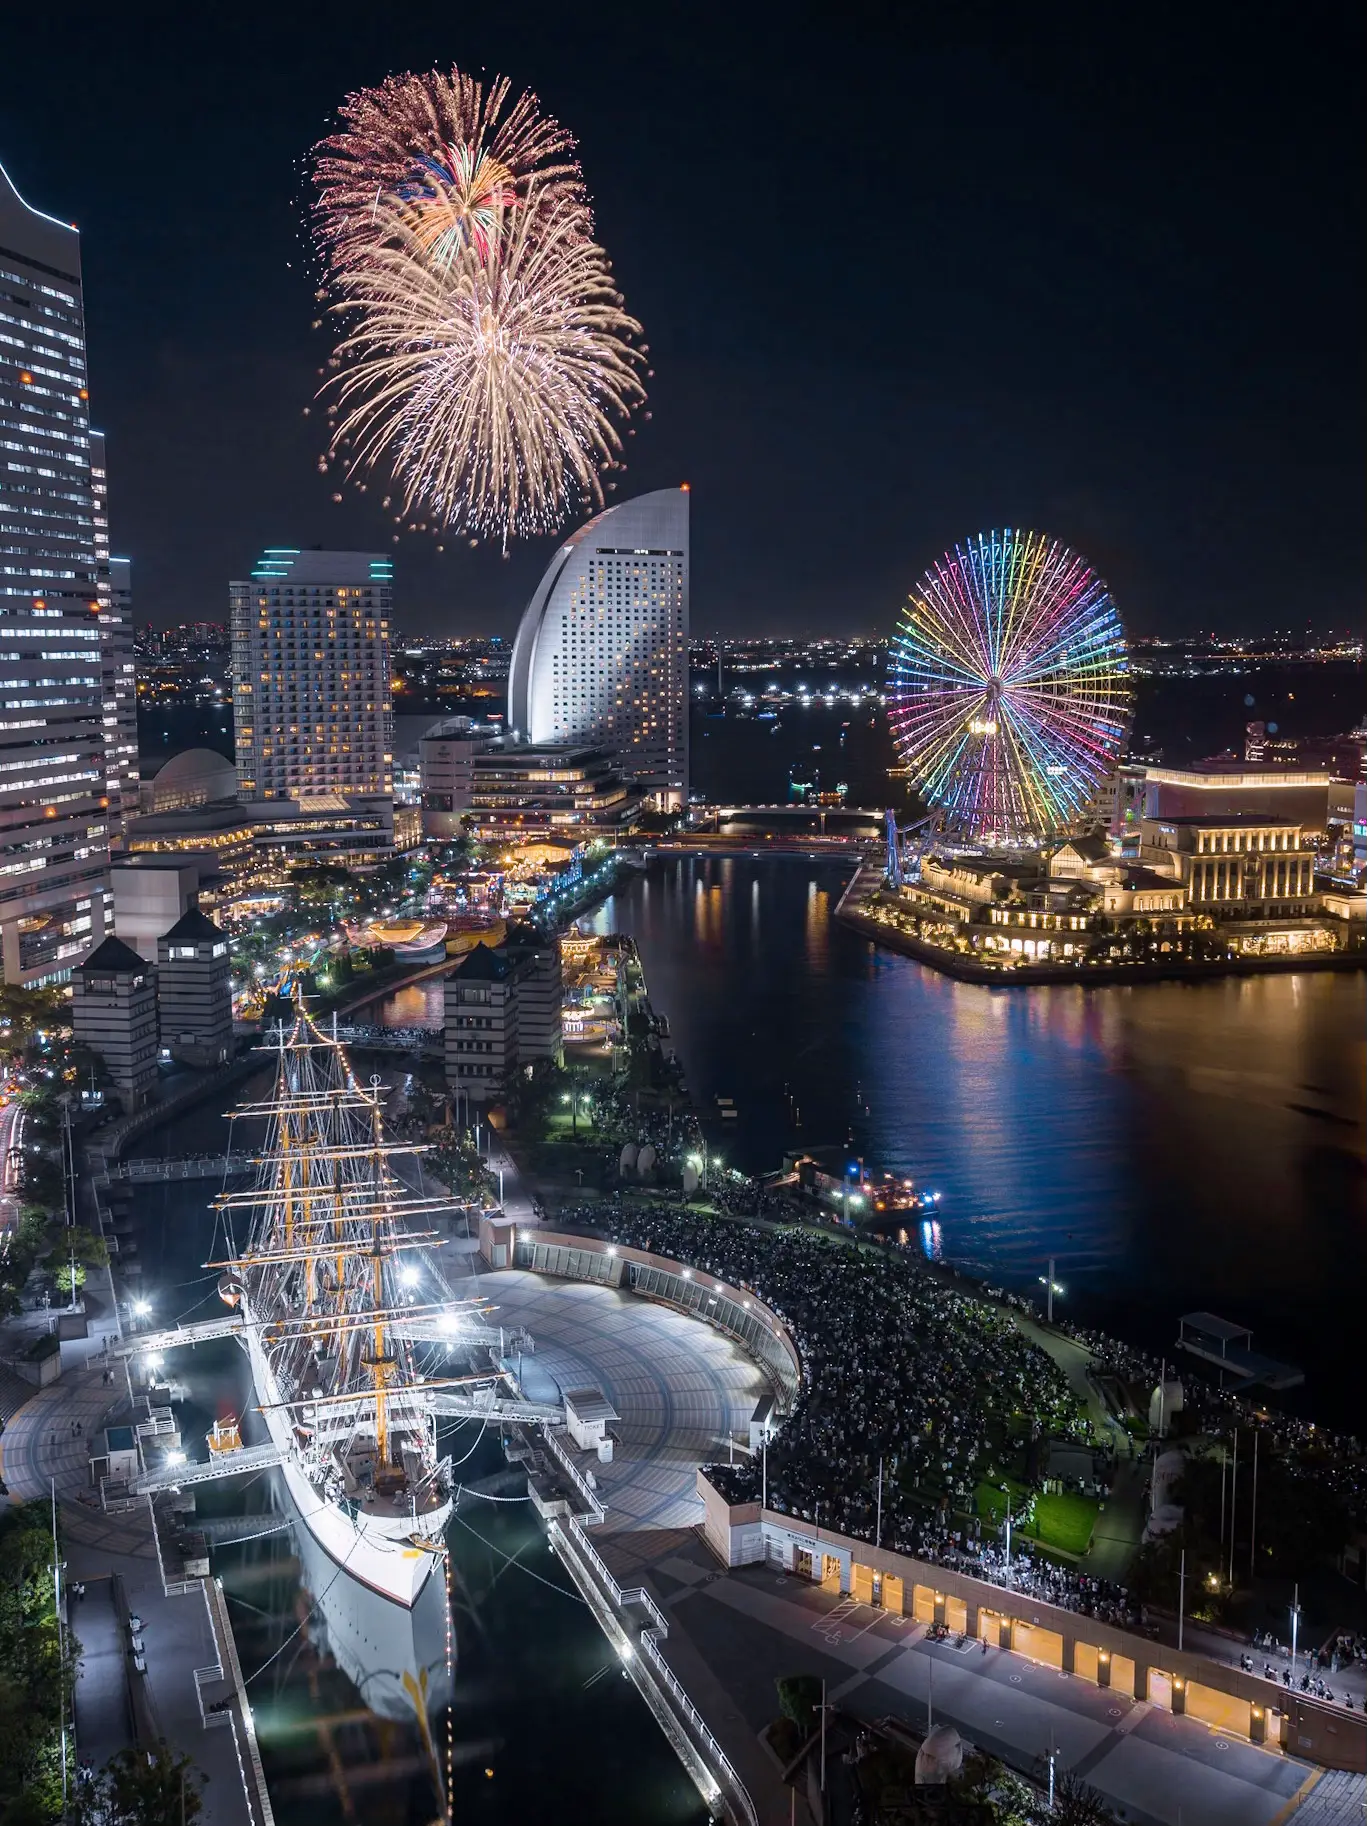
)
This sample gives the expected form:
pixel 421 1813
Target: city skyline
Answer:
pixel 1149 365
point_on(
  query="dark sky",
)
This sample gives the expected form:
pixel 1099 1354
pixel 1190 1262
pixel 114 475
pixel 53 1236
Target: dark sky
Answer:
pixel 906 271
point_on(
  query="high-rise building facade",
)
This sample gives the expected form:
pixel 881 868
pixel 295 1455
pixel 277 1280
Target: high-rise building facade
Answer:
pixel 602 651
pixel 312 697
pixel 114 588
pixel 54 792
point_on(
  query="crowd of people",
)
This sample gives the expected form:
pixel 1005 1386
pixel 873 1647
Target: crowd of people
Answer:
pixel 939 1388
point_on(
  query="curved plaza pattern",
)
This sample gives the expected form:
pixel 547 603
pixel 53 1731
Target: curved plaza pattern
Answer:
pixel 679 1386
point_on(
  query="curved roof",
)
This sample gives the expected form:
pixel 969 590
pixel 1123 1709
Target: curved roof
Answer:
pixel 192 765
pixel 194 773
pixel 658 518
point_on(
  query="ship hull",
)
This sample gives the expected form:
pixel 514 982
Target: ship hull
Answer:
pixel 381 1554
pixel 400 1658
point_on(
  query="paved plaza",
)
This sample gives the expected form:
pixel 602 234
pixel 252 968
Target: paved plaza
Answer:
pixel 679 1387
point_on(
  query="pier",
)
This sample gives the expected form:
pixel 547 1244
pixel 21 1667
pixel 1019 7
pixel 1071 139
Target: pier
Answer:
pixel 1230 1348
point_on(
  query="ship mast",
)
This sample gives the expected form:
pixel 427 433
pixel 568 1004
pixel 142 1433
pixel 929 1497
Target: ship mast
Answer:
pixel 330 1219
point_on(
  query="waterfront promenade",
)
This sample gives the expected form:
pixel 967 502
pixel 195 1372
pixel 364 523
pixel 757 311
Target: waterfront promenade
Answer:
pixel 733 1631
pixel 115 1557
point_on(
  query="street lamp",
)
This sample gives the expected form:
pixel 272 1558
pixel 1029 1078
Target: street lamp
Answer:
pixel 1051 1287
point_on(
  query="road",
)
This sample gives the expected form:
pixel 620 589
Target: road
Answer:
pixel 11 1139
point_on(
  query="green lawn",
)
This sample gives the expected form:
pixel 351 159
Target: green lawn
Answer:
pixel 1065 1522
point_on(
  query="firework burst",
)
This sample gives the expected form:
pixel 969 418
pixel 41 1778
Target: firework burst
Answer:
pixel 486 357
pixel 449 151
pixel 493 386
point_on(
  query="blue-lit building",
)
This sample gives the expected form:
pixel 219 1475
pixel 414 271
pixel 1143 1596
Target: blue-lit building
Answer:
pixel 312 699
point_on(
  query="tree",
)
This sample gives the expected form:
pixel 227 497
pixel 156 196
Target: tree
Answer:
pixel 144 1788
pixel 1077 1804
pixel 799 1695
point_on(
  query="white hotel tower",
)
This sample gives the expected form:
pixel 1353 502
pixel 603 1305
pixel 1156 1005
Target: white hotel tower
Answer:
pixel 55 610
pixel 601 655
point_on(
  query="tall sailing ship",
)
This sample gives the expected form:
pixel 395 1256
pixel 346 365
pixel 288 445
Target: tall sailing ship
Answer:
pixel 334 1278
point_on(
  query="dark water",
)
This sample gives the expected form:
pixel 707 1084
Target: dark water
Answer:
pixel 1174 1146
pixel 543 1724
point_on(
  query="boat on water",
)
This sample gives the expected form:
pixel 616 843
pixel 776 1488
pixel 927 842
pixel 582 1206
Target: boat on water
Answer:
pixel 329 1258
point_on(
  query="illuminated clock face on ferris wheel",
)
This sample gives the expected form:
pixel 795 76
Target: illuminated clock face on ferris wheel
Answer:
pixel 1010 699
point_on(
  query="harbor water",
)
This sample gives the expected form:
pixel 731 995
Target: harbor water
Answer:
pixel 1173 1146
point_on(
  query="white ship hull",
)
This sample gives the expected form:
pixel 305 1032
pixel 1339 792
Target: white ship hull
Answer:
pixel 381 1552
pixel 400 1660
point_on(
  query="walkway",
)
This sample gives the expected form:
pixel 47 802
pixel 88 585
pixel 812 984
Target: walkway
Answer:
pixel 41 1448
pixel 754 1626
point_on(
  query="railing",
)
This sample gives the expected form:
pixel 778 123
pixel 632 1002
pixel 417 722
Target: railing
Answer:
pixel 197 1166
pixel 653 1633
pixel 594 1502
pixel 650 1638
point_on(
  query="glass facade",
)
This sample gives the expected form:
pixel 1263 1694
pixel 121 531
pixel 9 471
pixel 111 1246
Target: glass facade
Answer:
pixel 54 600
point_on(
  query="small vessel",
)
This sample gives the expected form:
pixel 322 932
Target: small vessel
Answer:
pixel 329 1278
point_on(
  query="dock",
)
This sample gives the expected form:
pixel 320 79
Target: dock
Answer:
pixel 1230 1348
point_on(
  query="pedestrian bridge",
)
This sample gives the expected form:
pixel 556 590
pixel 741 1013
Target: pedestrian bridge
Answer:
pixel 153 1343
pixel 197 1166
pixel 225 1464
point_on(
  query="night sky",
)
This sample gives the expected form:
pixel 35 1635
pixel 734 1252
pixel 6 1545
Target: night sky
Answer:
pixel 906 273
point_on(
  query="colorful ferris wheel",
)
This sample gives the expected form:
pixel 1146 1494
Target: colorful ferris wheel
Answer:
pixel 1010 688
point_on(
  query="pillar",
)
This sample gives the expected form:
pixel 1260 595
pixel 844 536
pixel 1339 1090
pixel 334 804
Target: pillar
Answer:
pixel 974 1619
pixel 1179 1696
pixel 1103 1667
pixel 1257 1725
pixel 1141 1678
pixel 1006 1637
pixel 1069 1654
pixel 940 1608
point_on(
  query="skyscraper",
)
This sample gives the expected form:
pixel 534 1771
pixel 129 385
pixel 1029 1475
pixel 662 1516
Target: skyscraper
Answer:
pixel 54 798
pixel 602 651
pixel 114 588
pixel 311 684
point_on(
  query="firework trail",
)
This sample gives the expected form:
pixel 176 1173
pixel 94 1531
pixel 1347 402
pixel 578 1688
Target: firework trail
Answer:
pixel 484 356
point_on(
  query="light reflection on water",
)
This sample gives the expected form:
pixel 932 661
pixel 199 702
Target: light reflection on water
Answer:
pixel 532 1699
pixel 1175 1146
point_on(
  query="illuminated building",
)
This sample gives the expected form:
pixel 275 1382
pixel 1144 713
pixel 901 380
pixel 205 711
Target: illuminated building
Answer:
pixel 564 790
pixel 114 588
pixel 311 687
pixel 446 773
pixel 114 1013
pixel 353 830
pixel 54 812
pixel 194 991
pixel 1313 797
pixel 601 656
pixel 1241 866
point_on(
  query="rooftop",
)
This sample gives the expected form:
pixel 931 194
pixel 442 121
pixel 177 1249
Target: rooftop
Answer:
pixel 113 955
